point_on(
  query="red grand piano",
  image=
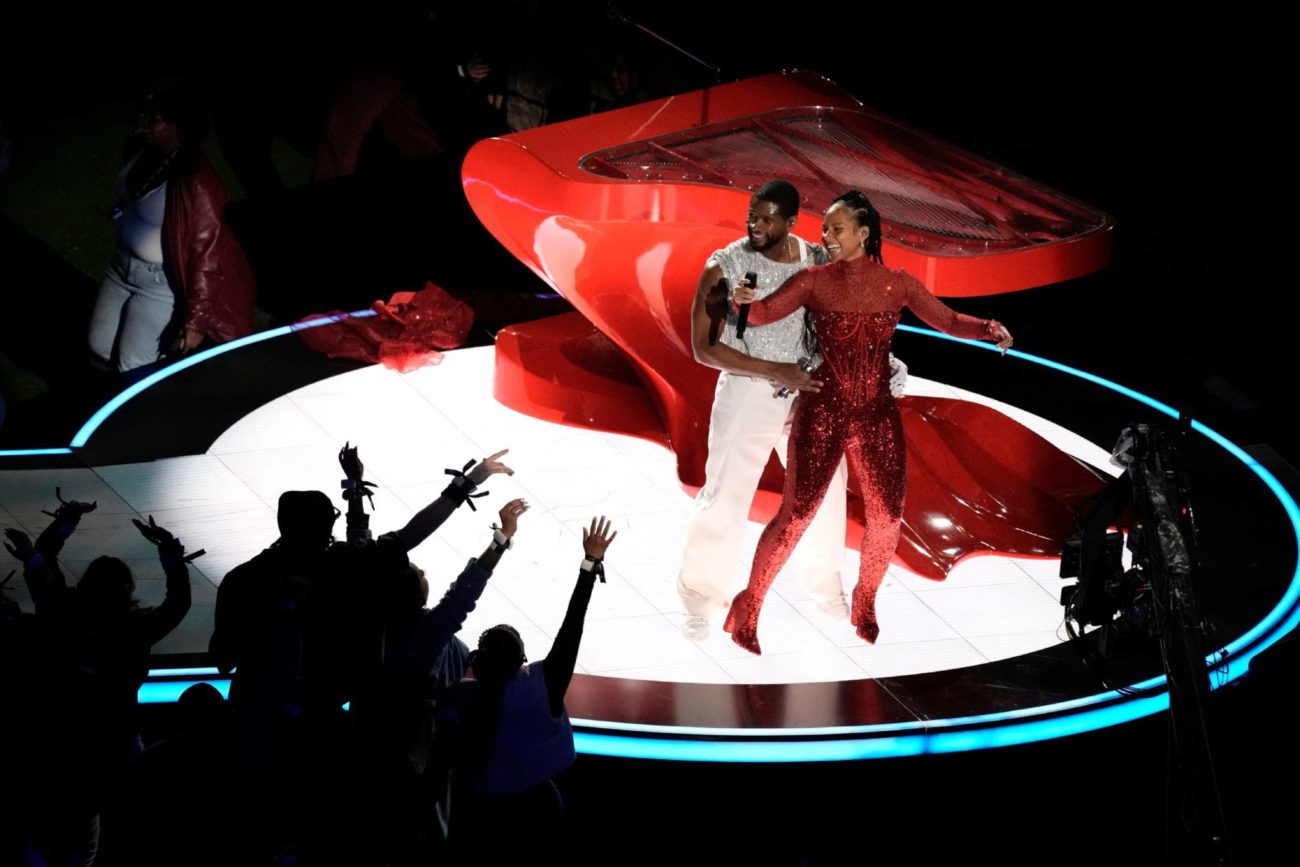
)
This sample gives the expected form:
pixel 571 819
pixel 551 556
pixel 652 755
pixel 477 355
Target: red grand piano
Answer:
pixel 619 212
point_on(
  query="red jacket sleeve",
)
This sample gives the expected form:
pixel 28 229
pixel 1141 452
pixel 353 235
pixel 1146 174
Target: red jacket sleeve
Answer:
pixel 204 261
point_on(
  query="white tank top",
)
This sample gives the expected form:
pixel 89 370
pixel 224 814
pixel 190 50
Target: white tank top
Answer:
pixel 139 229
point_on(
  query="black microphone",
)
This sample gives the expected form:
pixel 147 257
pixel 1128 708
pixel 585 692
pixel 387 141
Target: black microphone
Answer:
pixel 742 318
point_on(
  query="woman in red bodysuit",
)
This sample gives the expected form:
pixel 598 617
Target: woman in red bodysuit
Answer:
pixel 855 302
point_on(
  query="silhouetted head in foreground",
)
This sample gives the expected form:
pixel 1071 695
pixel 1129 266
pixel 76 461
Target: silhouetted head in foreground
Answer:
pixel 306 520
pixel 107 586
pixel 500 654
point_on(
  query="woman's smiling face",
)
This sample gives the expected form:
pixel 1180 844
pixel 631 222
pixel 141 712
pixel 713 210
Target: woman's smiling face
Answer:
pixel 841 234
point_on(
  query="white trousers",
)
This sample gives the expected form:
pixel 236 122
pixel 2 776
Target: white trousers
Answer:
pixel 747 422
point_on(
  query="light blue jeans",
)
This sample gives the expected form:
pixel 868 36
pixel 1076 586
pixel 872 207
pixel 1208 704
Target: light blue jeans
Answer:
pixel 133 313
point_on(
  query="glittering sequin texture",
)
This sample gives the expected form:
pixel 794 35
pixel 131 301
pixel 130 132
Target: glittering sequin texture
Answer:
pixel 778 339
pixel 855 305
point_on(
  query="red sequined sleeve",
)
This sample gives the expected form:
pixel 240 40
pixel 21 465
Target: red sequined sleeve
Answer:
pixel 793 294
pixel 936 314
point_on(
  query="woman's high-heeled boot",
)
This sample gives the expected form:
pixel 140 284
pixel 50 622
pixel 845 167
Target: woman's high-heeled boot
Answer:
pixel 742 622
pixel 864 613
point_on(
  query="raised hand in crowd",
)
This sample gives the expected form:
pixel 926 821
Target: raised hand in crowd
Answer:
pixel 66 517
pixel 596 538
pixel 70 510
pixel 504 534
pixel 509 515
pixel 155 534
pixel 489 466
pixel 353 468
pixel 461 490
pixel 19 545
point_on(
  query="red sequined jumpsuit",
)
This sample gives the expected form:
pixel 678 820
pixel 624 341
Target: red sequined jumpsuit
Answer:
pixel 855 306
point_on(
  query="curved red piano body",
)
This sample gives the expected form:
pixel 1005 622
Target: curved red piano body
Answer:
pixel 619 212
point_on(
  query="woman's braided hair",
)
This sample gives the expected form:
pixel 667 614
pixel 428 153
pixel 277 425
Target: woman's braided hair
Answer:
pixel 866 215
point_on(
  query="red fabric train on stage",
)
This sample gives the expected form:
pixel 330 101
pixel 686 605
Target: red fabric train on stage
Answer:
pixel 619 211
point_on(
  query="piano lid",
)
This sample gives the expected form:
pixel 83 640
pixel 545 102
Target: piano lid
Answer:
pixel 683 168
pixel 933 198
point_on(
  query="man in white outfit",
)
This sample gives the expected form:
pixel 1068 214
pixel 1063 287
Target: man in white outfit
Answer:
pixel 749 419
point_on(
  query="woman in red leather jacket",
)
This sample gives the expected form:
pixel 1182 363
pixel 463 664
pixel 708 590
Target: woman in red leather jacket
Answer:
pixel 178 276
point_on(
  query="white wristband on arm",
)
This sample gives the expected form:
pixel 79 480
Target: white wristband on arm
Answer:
pixel 501 542
pixel 594 566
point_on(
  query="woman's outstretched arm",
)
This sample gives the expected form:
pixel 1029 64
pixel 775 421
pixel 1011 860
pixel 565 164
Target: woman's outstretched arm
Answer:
pixel 936 314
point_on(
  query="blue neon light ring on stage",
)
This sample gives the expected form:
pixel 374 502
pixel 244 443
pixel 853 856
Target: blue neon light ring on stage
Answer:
pixel 82 436
pixel 92 424
pixel 843 743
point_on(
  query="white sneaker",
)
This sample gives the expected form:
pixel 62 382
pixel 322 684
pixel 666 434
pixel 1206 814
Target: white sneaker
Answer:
pixel 836 608
pixel 696 628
